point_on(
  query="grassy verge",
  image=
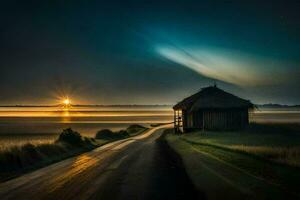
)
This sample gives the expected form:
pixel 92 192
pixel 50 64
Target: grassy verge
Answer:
pixel 277 143
pixel 250 163
pixel 18 160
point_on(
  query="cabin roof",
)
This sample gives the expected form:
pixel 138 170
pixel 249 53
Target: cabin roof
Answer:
pixel 212 97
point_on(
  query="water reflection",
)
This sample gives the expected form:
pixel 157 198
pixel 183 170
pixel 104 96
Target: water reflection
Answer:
pixel 66 116
pixel 84 111
pixel 19 124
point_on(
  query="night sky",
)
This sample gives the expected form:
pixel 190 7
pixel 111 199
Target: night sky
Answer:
pixel 148 52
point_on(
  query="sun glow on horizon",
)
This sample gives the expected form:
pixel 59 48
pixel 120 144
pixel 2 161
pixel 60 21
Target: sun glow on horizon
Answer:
pixel 66 105
pixel 66 101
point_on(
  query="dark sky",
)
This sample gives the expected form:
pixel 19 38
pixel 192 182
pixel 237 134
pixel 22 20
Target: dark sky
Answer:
pixel 148 52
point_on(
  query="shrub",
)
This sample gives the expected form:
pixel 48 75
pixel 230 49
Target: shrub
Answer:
pixel 49 150
pixel 18 159
pixel 89 142
pixel 70 137
pixel 104 134
pixel 123 133
pixel 29 155
pixel 108 134
pixel 134 128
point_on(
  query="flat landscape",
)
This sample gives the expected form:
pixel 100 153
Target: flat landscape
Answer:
pixel 260 162
pixel 20 125
pixel 150 100
pixel 43 124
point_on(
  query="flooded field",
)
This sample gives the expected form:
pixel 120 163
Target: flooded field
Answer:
pixel 19 125
pixel 276 115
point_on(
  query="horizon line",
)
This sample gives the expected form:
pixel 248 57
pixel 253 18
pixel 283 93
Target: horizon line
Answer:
pixel 57 105
pixel 123 105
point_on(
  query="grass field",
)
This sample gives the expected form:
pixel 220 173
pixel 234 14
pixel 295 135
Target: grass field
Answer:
pixel 280 145
pixel 16 160
pixel 11 141
pixel 264 159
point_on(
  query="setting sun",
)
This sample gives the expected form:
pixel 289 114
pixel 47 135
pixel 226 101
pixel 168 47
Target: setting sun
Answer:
pixel 67 102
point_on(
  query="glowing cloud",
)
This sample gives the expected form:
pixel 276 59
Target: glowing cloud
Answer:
pixel 225 65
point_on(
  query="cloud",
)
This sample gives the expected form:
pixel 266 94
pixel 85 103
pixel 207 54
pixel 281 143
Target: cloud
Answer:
pixel 225 65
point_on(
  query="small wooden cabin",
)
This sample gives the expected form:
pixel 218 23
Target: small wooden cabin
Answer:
pixel 211 109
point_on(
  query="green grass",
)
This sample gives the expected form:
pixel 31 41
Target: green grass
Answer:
pixel 271 143
pixel 20 159
pixel 11 140
pixel 262 160
pixel 17 160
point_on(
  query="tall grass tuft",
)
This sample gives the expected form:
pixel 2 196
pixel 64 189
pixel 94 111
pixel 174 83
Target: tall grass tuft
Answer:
pixel 17 159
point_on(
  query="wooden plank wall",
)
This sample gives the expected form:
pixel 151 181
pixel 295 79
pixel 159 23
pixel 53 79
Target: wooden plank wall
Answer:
pixel 212 119
pixel 220 120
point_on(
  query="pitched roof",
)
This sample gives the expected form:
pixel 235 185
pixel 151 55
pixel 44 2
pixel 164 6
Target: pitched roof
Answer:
pixel 212 97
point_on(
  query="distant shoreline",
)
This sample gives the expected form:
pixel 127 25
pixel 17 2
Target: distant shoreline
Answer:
pixel 276 106
pixel 89 105
pixel 270 105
